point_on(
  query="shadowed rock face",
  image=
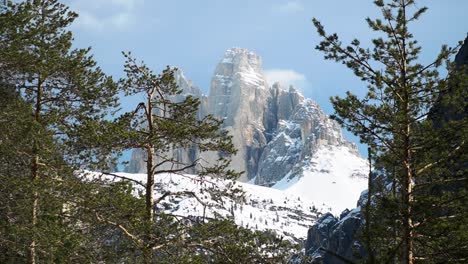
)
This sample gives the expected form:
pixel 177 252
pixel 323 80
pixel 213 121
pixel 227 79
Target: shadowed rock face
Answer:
pixel 238 95
pixel 331 237
pixel 462 56
pixel 275 130
pixel 296 138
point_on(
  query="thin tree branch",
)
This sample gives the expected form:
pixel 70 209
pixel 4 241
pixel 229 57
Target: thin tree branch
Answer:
pixel 134 238
pixel 124 178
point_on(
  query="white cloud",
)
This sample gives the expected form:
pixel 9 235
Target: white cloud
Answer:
pixel 286 77
pixel 101 4
pixel 288 7
pixel 100 15
pixel 119 21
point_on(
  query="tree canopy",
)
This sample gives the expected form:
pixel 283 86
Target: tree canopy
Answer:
pixel 396 119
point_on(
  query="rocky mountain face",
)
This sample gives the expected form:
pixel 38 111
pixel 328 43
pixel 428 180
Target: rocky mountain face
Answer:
pixel 238 95
pixel 338 235
pixel 338 239
pixel 276 130
pixel 300 129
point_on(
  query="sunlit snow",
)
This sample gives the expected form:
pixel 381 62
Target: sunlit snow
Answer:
pixel 335 178
pixel 289 215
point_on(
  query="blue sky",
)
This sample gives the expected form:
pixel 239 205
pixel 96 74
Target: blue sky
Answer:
pixel 193 35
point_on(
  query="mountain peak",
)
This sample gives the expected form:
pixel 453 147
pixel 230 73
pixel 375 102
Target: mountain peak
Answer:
pixel 243 59
pixel 278 132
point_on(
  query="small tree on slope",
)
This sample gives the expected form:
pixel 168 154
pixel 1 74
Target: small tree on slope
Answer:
pixel 156 126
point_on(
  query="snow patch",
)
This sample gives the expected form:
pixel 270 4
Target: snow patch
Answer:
pixel 285 213
pixel 334 179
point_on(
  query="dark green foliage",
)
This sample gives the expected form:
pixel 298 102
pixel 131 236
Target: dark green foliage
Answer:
pixel 158 125
pixel 63 85
pixel 229 243
pixel 49 88
pixel 57 117
pixel 442 186
pixel 58 237
pixel 418 204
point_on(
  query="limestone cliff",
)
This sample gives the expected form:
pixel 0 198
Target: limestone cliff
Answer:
pixel 238 95
pixel 275 130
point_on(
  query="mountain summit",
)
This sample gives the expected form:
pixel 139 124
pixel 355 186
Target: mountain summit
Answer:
pixel 284 140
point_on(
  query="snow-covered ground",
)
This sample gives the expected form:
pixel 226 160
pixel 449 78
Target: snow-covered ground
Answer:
pixel 334 179
pixel 332 182
pixel 264 208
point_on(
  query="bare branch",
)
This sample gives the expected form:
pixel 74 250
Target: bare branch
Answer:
pixel 430 165
pixel 181 193
pixel 124 178
pixel 176 170
pixel 132 237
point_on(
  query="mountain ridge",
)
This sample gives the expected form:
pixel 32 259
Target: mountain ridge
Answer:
pixel 277 131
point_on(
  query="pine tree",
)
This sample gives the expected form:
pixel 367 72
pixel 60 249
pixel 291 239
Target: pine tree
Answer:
pixel 56 232
pixel 62 86
pixel 160 124
pixel 400 94
pixel 442 232
pixel 155 235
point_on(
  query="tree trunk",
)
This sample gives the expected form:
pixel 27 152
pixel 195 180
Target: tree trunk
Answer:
pixel 370 258
pixel 407 159
pixel 34 211
pixel 149 195
pixel 407 203
pixel 150 159
pixel 35 177
pixel 150 185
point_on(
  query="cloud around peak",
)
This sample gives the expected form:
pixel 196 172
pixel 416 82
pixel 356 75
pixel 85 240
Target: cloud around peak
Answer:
pixel 286 77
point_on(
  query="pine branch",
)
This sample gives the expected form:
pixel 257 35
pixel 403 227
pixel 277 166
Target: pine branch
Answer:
pixel 176 170
pixel 430 165
pixel 123 177
pixel 345 260
pixel 181 193
pixel 132 237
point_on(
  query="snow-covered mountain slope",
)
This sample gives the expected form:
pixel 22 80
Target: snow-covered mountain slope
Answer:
pixel 276 130
pixel 335 177
pixel 264 208
pixel 284 140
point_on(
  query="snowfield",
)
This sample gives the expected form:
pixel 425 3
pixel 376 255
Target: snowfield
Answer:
pixel 289 215
pixel 334 179
pixel 331 182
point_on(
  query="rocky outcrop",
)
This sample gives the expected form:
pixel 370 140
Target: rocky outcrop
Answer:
pixel 335 240
pixel 239 95
pixel 275 130
pixel 296 138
